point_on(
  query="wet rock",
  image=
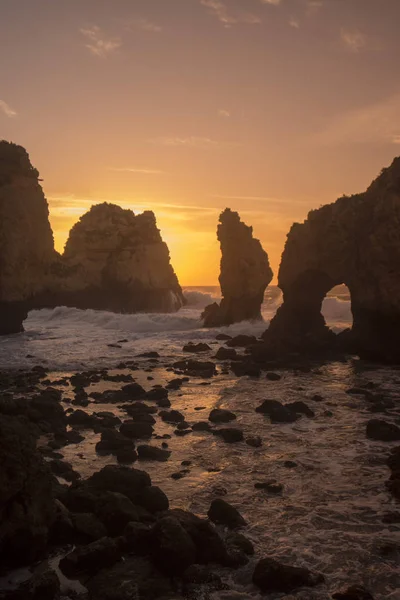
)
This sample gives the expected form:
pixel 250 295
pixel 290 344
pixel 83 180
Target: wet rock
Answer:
pixel 300 408
pixel 25 495
pixel 391 517
pixel 277 412
pixel 230 435
pixel 139 408
pixel 210 548
pixel 223 513
pixel 87 527
pixel 137 539
pixel 199 581
pixel 269 486
pixel 273 376
pixel 126 456
pixel 136 430
pixel 134 578
pixel 64 470
pixel 153 499
pixel 220 415
pixel 90 559
pixel 254 441
pixel 43 585
pixel 223 337
pixel 226 354
pixel 107 419
pixel 242 341
pixel 196 367
pixel 354 592
pixel 175 384
pixel 115 511
pixel 127 481
pixel 133 391
pixel 113 442
pixel 195 348
pixel 80 418
pixel 240 542
pixel 272 576
pixel 201 426
pixel 146 452
pixel 382 431
pixel 157 394
pixel 289 464
pixel 151 354
pixel 245 368
pixel 172 416
pixel 173 548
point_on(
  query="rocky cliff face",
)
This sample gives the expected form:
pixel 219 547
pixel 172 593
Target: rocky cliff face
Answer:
pixel 355 241
pixel 114 260
pixel 26 239
pixel 245 274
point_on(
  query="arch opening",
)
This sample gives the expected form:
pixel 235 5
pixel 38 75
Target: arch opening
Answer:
pixel 336 308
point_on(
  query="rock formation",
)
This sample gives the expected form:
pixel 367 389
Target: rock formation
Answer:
pixel 26 239
pixel 113 259
pixel 354 241
pixel 245 274
pixel 26 502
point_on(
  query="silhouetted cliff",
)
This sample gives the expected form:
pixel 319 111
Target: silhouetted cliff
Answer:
pixel 354 241
pixel 245 273
pixel 113 259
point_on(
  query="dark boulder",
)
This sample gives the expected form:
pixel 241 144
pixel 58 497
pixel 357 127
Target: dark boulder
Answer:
pixel 173 548
pixel 226 354
pixel 272 576
pixel 88 560
pixel 146 452
pixel 230 435
pixel 220 415
pixel 136 429
pixel 382 431
pixel 223 513
pixel 355 592
pixel 195 348
pixel 277 412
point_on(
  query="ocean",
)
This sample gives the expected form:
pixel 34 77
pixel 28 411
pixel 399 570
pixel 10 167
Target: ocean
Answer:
pixel 68 338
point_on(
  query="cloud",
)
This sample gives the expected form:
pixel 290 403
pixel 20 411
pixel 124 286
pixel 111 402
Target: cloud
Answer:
pixel 223 14
pixel 224 113
pixel 191 142
pixel 139 171
pixel 294 23
pixel 273 2
pixel 99 44
pixel 377 123
pixel 353 40
pixel 7 110
pixel 143 24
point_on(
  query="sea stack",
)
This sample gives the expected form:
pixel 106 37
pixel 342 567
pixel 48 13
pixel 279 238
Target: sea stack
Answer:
pixel 245 274
pixel 354 241
pixel 26 239
pixel 116 260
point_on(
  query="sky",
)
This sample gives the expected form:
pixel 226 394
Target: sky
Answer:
pixel 185 107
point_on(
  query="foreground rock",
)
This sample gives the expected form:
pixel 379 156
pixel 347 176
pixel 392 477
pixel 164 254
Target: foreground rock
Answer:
pixel 26 505
pixel 272 576
pixel 382 431
pixel 245 274
pixel 354 241
pixel 223 513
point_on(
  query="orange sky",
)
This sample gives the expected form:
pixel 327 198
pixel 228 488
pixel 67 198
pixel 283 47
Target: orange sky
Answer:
pixel 184 107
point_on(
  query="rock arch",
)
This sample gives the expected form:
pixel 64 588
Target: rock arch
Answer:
pixel 354 241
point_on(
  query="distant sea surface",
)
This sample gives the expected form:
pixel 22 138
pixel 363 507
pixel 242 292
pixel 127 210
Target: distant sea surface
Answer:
pixel 69 338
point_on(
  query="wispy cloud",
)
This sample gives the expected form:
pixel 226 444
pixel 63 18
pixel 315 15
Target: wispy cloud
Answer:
pixel 224 113
pixel 220 10
pixel 143 24
pixel 376 123
pixel 294 23
pixel 136 170
pixel 353 40
pixel 191 142
pixel 98 43
pixel 273 2
pixel 7 110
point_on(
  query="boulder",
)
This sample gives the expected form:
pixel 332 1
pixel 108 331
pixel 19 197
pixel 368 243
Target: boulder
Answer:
pixel 173 549
pixel 136 430
pixel 245 274
pixel 382 431
pixel 277 412
pixel 221 415
pixel 88 560
pixel 226 354
pixel 196 348
pixel 230 435
pixel 146 452
pixel 223 513
pixel 126 481
pixel 354 592
pixel 271 576
pixel 27 508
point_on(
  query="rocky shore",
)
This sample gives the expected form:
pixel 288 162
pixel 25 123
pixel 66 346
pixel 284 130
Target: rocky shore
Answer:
pixel 84 455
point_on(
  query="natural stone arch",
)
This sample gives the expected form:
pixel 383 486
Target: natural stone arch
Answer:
pixel 355 241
